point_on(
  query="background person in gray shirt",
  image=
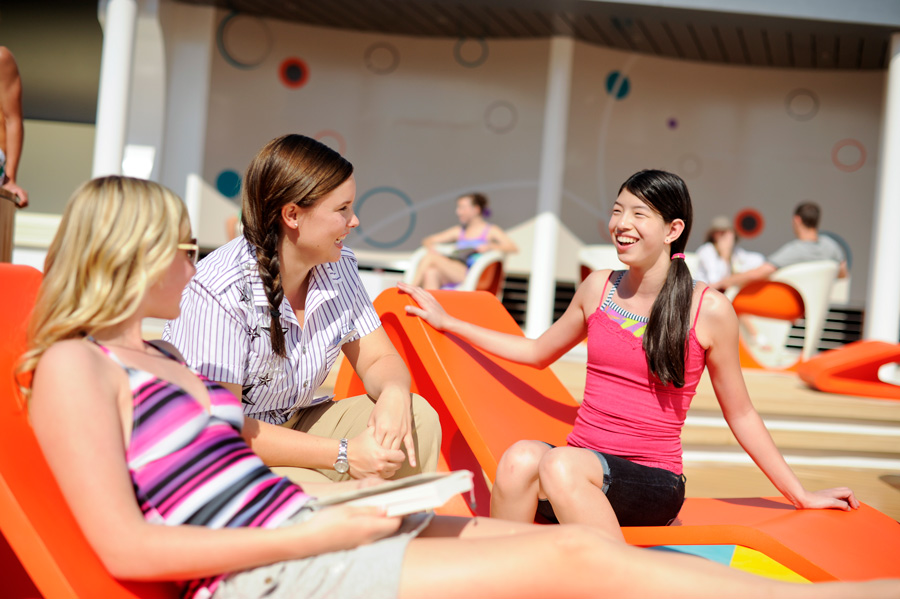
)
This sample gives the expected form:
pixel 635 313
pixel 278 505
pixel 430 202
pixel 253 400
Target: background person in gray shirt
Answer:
pixel 807 247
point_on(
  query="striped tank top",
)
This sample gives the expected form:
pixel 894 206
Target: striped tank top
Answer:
pixel 190 465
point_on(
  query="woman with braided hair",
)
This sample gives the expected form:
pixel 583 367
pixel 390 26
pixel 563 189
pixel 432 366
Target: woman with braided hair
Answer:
pixel 268 313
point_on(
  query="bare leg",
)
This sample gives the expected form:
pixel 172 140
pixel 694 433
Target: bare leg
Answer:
pixel 495 559
pixel 437 270
pixel 517 487
pixel 572 478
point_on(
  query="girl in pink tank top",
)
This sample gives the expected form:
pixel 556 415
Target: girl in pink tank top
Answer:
pixel 651 332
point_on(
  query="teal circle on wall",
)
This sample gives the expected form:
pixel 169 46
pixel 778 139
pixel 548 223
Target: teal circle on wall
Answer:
pixel 409 228
pixel 229 183
pixel 617 85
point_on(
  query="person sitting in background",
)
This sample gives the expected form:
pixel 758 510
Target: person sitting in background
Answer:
pixel 807 247
pixel 473 236
pixel 720 256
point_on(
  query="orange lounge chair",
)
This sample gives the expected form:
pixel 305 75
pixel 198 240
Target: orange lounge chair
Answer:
pixel 853 369
pixel 34 517
pixel 487 403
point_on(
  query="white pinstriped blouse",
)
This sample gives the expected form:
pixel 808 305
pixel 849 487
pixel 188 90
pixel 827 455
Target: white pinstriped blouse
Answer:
pixel 223 330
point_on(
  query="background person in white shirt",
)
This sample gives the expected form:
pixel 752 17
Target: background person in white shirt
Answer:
pixel 721 256
pixel 268 313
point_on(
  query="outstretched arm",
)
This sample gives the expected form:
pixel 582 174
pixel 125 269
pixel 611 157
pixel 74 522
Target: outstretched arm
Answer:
pixel 717 329
pixel 540 353
pixel 742 278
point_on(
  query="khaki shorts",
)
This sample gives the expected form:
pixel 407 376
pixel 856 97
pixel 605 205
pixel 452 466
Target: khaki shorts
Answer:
pixel 366 572
pixel 348 418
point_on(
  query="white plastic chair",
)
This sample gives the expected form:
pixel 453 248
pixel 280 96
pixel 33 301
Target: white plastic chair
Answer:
pixel 485 274
pixel 813 280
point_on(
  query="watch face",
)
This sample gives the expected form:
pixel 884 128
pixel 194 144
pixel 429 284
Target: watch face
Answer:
pixel 342 466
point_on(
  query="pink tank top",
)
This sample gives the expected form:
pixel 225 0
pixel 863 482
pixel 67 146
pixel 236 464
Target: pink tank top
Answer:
pixel 625 411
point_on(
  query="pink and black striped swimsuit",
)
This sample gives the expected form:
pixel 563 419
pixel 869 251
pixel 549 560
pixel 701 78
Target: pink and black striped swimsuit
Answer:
pixel 190 465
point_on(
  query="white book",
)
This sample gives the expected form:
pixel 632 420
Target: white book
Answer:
pixel 407 495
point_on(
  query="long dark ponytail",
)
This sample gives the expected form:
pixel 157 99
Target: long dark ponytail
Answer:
pixel 665 338
pixel 291 168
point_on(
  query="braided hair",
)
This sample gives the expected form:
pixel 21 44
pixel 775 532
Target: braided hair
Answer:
pixel 290 169
pixel 665 338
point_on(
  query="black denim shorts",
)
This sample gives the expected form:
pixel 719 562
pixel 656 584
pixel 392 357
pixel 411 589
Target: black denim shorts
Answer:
pixel 639 495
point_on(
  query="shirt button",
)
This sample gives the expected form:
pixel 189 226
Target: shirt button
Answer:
pixel 305 384
pixel 303 350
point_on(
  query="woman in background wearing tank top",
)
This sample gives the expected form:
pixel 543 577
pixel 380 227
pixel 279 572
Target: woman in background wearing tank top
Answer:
pixel 154 462
pixel 472 236
pixel 651 331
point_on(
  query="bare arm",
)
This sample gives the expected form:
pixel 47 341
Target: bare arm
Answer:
pixel 76 412
pixel 541 352
pixel 387 381
pixel 447 236
pixel 11 112
pixel 281 446
pixel 500 241
pixel 742 278
pixel 717 329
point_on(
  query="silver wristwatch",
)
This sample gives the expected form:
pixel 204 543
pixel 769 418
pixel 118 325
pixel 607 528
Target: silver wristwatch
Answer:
pixel 341 464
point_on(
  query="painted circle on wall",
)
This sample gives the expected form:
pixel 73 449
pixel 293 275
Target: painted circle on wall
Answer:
pixel 390 192
pixel 381 58
pixel 229 183
pixel 617 85
pixel 500 116
pixel 333 140
pixel 749 223
pixel 690 166
pixel 801 104
pixel 293 72
pixel 470 52
pixel 848 155
pixel 244 41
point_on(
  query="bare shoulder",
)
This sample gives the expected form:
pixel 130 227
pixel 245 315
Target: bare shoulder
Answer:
pixel 591 289
pixel 714 306
pixel 75 364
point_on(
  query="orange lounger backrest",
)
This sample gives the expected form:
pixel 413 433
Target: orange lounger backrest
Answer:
pixel 34 516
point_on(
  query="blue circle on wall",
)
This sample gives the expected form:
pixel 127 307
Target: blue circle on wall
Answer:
pixel 617 85
pixel 412 217
pixel 229 183
pixel 244 41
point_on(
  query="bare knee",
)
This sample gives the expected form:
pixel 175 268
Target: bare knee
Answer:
pixel 559 468
pixel 520 462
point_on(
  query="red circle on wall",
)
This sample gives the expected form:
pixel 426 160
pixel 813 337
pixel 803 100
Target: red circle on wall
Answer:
pixel 293 72
pixel 749 223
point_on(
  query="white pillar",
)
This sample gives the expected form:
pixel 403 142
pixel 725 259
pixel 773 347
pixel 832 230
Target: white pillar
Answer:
pixel 119 27
pixel 542 284
pixel 189 34
pixel 882 318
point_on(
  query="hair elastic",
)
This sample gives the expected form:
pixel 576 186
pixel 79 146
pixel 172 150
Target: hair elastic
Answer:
pixel 679 255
